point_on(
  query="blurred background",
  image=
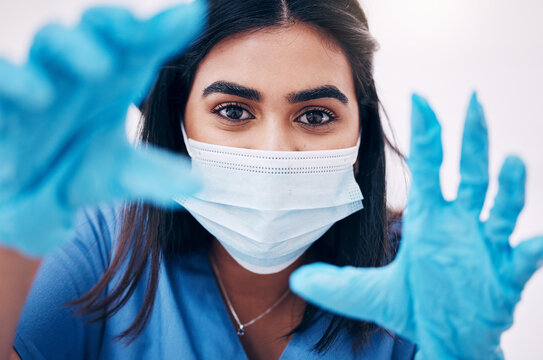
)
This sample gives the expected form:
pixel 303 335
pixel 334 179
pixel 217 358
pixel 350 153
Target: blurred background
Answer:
pixel 443 50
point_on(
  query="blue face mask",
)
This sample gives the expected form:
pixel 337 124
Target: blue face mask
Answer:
pixel 267 207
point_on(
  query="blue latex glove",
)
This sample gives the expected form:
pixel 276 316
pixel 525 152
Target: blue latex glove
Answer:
pixel 455 281
pixel 63 144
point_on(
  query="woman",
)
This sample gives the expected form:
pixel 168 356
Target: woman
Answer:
pixel 275 103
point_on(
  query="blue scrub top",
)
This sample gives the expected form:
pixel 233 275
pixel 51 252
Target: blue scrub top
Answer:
pixel 189 319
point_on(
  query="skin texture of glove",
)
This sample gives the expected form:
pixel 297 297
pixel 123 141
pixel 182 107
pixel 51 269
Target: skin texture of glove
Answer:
pixel 455 281
pixel 62 123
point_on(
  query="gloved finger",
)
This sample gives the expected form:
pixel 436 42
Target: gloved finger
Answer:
pixel 23 87
pixel 527 259
pixel 158 176
pixel 159 37
pixel 508 202
pixel 64 53
pixel 107 168
pixel 143 45
pixel 360 293
pixel 426 153
pixel 474 158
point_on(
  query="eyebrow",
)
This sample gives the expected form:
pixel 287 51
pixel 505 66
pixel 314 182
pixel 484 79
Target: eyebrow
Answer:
pixel 326 91
pixel 229 88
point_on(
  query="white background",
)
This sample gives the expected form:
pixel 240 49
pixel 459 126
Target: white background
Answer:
pixel 441 49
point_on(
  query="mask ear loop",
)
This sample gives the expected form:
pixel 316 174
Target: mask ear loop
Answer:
pixel 186 139
pixel 358 141
pixel 356 166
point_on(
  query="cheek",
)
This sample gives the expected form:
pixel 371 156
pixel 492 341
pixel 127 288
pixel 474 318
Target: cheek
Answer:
pixel 192 126
pixel 194 119
pixel 201 125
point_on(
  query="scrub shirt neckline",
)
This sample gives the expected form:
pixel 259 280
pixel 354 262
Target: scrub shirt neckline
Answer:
pixel 224 313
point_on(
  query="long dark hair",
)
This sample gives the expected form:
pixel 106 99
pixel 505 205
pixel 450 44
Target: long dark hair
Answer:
pixel 361 239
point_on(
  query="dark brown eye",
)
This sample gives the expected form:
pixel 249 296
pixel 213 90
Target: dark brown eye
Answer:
pixel 235 113
pixel 315 117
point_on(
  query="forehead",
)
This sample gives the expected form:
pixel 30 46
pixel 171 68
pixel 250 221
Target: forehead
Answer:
pixel 290 58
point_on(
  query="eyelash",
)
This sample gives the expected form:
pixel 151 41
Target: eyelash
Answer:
pixel 220 107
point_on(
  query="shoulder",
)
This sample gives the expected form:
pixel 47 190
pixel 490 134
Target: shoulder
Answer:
pixel 99 221
pixel 96 231
pixel 381 345
pixel 86 256
pixel 47 327
pixel 82 260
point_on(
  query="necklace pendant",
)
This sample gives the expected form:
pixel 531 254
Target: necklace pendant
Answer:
pixel 241 331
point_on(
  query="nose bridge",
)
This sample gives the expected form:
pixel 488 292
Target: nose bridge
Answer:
pixel 277 135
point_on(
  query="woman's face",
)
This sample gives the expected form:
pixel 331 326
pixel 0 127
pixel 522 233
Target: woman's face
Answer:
pixel 283 89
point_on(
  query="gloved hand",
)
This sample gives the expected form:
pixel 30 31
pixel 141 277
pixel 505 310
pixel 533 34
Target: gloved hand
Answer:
pixel 455 281
pixel 62 123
